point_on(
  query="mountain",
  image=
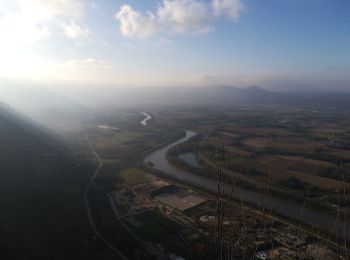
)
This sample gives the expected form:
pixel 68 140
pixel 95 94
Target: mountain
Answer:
pixel 41 187
pixel 227 94
pixel 255 95
pixel 61 108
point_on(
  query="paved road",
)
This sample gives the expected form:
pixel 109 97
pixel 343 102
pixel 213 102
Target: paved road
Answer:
pixel 146 244
pixel 87 204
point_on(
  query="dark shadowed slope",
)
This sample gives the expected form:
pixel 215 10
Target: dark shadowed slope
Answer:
pixel 41 185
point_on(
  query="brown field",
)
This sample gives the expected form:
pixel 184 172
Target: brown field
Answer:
pixel 236 151
pixel 282 168
pixel 297 145
pixel 341 153
pixel 256 131
pixel 305 168
pixel 257 142
pixel 318 163
pixel 228 135
pixel 287 144
pixel 292 158
pixel 318 181
pixel 328 129
pixel 273 165
pixel 219 140
pixel 280 143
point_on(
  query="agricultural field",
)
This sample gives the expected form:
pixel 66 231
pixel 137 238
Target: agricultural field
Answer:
pixel 121 142
pixel 135 176
pixel 296 155
pixel 152 225
pixel 130 142
pixel 295 149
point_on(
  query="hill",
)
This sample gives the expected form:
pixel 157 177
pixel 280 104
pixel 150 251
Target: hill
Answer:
pixel 214 95
pixel 41 186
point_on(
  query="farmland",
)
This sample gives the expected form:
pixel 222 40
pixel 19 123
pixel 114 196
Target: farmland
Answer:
pixel 296 150
pixel 298 153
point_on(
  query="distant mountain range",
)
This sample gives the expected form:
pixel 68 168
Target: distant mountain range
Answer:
pixel 62 106
pixel 227 95
pixel 254 95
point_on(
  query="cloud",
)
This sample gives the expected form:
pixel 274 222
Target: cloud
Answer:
pixel 88 65
pixel 53 8
pixel 82 70
pixel 230 8
pixel 23 22
pixel 177 17
pixel 134 23
pixel 181 16
pixel 75 31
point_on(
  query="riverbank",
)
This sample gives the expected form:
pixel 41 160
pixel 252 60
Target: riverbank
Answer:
pixel 323 236
pixel 209 170
pixel 318 219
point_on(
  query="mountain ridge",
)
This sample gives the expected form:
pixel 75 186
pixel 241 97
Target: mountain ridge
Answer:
pixel 41 187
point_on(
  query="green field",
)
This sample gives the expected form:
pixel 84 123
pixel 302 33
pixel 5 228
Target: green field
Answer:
pixel 154 226
pixel 117 138
pixel 135 176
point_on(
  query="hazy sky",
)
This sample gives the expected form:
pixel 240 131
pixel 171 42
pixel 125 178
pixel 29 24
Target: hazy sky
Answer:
pixel 278 43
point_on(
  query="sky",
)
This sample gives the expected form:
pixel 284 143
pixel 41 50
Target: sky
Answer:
pixel 277 44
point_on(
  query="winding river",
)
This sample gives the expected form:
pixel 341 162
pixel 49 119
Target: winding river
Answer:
pixel 313 217
pixel 144 121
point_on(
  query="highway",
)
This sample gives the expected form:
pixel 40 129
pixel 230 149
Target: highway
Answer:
pixel 87 204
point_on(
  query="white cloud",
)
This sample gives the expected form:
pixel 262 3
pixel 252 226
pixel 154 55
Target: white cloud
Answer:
pixel 184 15
pixel 24 22
pixel 230 8
pixel 87 65
pixel 52 8
pixel 134 23
pixel 177 16
pixel 89 70
pixel 75 31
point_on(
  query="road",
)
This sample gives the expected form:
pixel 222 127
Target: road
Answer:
pixel 146 244
pixel 87 204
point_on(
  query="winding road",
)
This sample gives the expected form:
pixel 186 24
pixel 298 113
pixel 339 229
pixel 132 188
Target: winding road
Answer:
pixel 87 204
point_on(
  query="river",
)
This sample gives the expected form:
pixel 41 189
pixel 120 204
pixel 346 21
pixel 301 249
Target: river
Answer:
pixel 313 217
pixel 144 121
